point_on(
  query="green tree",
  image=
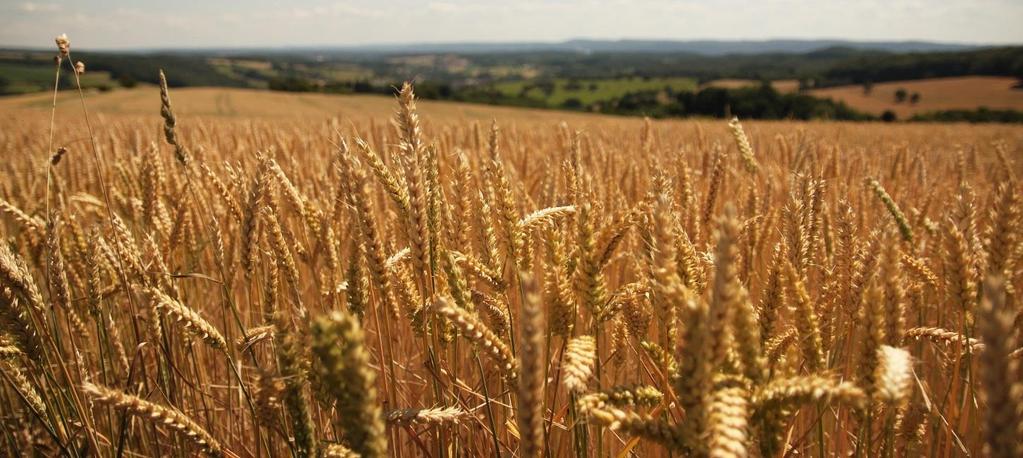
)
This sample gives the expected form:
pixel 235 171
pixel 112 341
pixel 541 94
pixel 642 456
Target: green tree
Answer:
pixel 572 103
pixel 126 81
pixel 900 95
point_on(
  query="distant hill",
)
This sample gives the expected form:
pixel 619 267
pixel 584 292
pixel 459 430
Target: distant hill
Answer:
pixel 580 45
pixel 721 47
pixel 699 47
pixel 454 68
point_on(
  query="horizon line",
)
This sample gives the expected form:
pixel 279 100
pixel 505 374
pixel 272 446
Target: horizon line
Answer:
pixel 396 46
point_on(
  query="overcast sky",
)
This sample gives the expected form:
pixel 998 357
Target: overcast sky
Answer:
pixel 220 23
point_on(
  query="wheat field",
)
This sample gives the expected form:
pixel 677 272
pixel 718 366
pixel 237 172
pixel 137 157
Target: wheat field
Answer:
pixel 448 287
pixel 963 93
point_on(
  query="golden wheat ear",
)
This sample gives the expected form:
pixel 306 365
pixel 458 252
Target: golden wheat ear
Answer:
pixel 170 121
pixel 596 410
pixel 745 149
pixel 26 391
pixel 193 323
pixel 432 416
pixel 995 323
pixel 479 334
pixel 160 415
pixel 530 402
pixel 580 356
pixel 344 370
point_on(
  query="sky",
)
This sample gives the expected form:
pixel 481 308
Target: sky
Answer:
pixel 135 24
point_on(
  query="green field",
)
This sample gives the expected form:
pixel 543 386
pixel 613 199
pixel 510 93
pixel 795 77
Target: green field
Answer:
pixel 28 78
pixel 588 91
pixel 22 79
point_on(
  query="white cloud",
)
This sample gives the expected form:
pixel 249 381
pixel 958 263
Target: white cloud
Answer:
pixel 442 7
pixel 350 9
pixel 32 7
pixel 123 23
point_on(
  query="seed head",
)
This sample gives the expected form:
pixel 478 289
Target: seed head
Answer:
pixel 63 44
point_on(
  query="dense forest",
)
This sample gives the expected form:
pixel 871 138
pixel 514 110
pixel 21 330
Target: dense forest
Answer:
pixel 896 67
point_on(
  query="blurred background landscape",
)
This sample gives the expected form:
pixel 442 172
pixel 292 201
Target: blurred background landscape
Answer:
pixel 977 78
